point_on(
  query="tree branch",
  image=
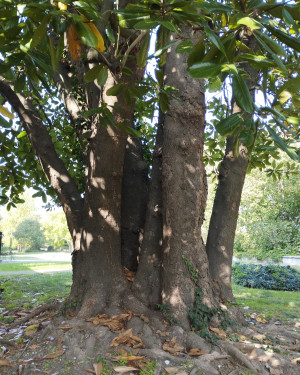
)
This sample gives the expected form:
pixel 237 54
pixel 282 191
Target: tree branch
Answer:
pixel 41 142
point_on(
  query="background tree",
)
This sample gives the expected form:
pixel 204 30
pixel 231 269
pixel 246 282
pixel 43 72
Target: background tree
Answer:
pixel 55 229
pixel 29 234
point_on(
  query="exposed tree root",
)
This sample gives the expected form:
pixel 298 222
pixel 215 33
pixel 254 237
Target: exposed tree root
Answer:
pixel 35 312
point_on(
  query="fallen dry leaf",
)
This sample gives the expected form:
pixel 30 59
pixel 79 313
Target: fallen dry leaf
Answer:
pixel 293 348
pixel 162 334
pixel 260 319
pixel 31 330
pixel 90 371
pixel 274 371
pixel 123 369
pixel 128 339
pixel 98 367
pixel 21 368
pixel 127 358
pixel 59 353
pixel 172 346
pixel 196 352
pixel 218 332
pixel 171 370
pixel 6 362
pixel 114 323
pixel 296 361
pixel 65 328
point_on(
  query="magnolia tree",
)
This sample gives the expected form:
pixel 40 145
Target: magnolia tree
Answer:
pixel 73 74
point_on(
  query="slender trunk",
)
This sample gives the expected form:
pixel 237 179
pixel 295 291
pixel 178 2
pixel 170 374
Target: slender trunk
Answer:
pixel 147 284
pixel 223 222
pixel 134 202
pixel 184 192
pixel 224 217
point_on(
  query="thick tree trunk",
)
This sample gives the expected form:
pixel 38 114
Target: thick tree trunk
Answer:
pixel 184 192
pixel 134 202
pixel 147 284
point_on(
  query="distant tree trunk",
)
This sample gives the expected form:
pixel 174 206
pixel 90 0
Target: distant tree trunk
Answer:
pixel 223 222
pixel 184 192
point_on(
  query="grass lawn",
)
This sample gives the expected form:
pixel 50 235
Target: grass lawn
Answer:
pixel 28 291
pixel 35 266
pixel 275 304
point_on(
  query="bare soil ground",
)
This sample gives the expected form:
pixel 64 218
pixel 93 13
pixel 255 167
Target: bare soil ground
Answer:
pixel 46 342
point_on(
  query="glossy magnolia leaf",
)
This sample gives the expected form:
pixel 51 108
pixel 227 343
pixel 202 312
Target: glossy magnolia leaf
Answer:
pixel 5 112
pixel 247 137
pixel 143 53
pixel 285 38
pixel 100 42
pixel 115 90
pixel 102 76
pixel 86 35
pixel 185 47
pixel 198 52
pixel 40 32
pixel 169 25
pixel 110 33
pixel 257 61
pixel 250 22
pixel 281 144
pixel 93 73
pixel 229 125
pixel 164 102
pixel 214 39
pixel 146 24
pixel 271 43
pixel 4 123
pixel 54 61
pixel 287 17
pixel 162 44
pixel 204 70
pixel 74 43
pixel 241 94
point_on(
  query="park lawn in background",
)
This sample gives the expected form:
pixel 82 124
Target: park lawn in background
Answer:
pixel 271 304
pixel 35 266
pixel 29 291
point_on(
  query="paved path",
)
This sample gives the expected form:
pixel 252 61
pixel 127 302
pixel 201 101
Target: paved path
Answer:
pixel 31 272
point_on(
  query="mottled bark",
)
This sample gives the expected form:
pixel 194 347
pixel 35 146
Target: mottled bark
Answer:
pixel 184 191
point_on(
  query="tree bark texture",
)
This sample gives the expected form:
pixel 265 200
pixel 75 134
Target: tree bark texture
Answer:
pixel 134 202
pixel 184 191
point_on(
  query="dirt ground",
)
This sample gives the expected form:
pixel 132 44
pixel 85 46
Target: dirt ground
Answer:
pixel 47 342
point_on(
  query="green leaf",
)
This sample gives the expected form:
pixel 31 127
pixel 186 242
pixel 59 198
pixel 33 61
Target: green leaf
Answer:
pixel 285 38
pixel 102 76
pixel 229 125
pixel 93 73
pixel 22 134
pixel 40 32
pixel 241 94
pixel 86 35
pixel 115 90
pixel 214 39
pixel 271 43
pixel 146 25
pixel 204 70
pixel 110 33
pixel 143 52
pixel 247 137
pixel 170 26
pixel 250 22
pixel 281 144
pixel 54 61
pixel 164 102
pixel 257 61
pixel 185 47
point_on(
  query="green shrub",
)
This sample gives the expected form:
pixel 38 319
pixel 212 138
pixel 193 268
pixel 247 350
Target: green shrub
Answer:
pixel 266 277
